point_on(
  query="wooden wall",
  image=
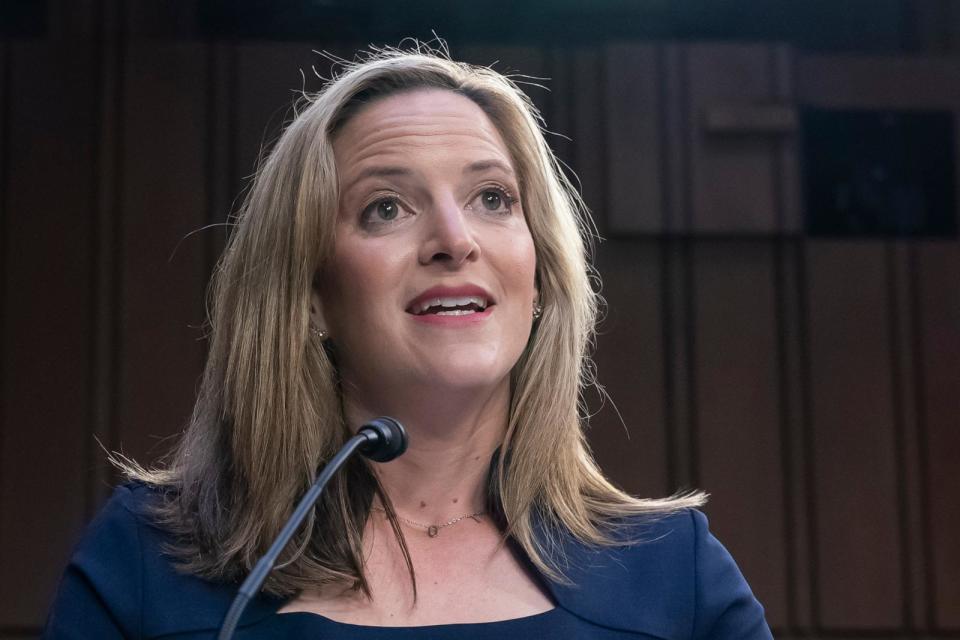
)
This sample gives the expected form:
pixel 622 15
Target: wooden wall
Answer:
pixel 811 386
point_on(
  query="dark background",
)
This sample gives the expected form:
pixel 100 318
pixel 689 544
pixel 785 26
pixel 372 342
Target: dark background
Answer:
pixel 783 281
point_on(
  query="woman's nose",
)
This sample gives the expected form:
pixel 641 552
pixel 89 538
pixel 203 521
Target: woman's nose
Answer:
pixel 449 238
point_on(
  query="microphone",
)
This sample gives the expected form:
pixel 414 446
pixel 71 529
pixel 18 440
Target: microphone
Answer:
pixel 386 439
pixel 382 439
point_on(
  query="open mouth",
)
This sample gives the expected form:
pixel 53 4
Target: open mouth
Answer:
pixel 450 306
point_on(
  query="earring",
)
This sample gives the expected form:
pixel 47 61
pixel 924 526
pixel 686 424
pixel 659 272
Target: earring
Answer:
pixel 320 333
pixel 537 310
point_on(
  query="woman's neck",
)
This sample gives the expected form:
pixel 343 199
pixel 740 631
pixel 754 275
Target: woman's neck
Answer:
pixel 444 472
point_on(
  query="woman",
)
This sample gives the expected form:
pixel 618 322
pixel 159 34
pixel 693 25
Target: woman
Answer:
pixel 409 248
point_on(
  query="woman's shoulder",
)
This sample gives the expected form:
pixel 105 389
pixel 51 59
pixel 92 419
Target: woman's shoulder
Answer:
pixel 123 582
pixel 669 577
pixel 130 504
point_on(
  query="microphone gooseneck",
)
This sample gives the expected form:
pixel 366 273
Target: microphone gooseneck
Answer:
pixel 382 439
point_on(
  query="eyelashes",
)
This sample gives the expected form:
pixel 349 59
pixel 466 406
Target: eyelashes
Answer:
pixel 389 208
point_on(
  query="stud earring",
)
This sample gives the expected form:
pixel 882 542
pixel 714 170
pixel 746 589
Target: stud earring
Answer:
pixel 537 310
pixel 320 333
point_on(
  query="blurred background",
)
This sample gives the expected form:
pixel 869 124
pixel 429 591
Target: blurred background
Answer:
pixel 775 182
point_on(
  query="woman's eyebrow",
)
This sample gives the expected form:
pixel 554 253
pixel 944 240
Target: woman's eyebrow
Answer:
pixel 378 172
pixel 394 171
pixel 484 165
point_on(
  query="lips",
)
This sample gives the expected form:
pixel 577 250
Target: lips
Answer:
pixel 451 301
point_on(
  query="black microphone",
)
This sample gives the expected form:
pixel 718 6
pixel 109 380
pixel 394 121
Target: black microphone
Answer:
pixel 381 439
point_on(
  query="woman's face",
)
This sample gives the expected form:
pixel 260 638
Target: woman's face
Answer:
pixel 431 282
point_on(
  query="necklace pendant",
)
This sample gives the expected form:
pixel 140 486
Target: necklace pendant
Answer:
pixel 433 530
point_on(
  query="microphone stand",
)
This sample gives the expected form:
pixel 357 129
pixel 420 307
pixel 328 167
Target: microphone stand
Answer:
pixel 382 440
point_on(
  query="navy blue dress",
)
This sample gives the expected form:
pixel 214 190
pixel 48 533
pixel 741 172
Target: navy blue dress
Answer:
pixel 680 583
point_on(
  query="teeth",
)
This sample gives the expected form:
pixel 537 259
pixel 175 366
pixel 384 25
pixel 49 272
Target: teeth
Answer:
pixel 451 303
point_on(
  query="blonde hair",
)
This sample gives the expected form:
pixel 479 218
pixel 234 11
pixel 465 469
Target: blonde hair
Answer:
pixel 269 410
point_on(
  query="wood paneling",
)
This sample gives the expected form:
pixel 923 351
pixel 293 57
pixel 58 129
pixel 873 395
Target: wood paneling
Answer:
pixel 888 82
pixel 675 118
pixel 104 338
pixel 737 404
pixel 629 357
pixel 733 184
pixel 785 159
pixel 858 547
pixel 793 369
pixel 679 367
pixel 162 262
pixel 939 336
pixel 668 171
pixel 223 185
pixel 588 118
pixel 634 148
pixel 901 257
pixel 49 193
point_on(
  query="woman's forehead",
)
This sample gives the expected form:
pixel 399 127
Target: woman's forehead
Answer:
pixel 435 119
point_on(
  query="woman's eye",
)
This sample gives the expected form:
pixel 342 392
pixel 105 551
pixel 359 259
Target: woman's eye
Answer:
pixel 381 211
pixel 495 200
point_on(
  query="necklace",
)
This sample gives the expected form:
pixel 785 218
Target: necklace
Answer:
pixel 433 530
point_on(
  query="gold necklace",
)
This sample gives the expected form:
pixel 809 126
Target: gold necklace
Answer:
pixel 433 530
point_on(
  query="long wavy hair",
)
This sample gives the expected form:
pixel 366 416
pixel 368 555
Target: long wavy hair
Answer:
pixel 269 410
